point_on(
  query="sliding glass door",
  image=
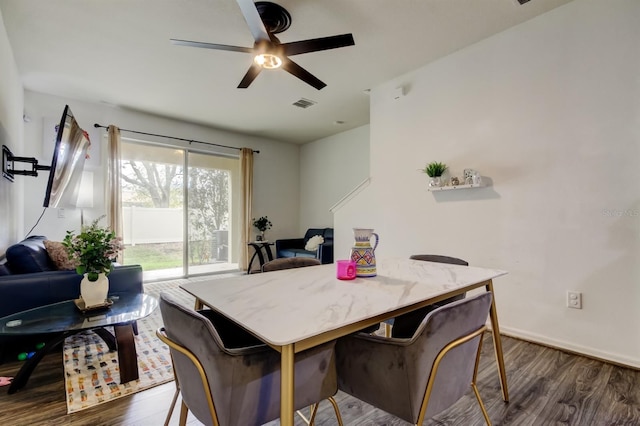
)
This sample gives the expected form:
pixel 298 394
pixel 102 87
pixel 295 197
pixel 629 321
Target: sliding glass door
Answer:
pixel 163 236
pixel 210 207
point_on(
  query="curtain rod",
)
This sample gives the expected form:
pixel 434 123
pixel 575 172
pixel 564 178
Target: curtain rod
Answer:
pixel 96 125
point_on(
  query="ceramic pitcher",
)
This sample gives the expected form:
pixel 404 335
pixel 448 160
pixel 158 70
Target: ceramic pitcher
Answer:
pixel 363 254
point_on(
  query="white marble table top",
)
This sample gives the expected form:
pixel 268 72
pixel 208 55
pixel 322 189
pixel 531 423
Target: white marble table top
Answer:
pixel 288 306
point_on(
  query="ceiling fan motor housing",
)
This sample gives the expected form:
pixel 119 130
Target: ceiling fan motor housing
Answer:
pixel 276 19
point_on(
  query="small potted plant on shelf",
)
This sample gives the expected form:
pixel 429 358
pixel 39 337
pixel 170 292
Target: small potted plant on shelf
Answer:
pixel 435 170
pixel 262 224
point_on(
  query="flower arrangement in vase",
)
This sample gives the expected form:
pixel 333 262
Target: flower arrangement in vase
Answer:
pixel 262 224
pixel 435 170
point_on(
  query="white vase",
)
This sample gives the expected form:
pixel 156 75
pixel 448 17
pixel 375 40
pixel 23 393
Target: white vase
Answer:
pixel 94 292
pixel 435 182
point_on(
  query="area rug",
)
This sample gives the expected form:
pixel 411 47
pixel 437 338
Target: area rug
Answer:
pixel 91 371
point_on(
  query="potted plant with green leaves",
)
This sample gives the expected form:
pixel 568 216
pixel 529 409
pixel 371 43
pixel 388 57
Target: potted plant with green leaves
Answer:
pixel 435 170
pixel 262 224
pixel 93 251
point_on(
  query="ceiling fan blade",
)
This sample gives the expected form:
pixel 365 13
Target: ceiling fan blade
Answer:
pixel 251 75
pixel 317 44
pixel 211 46
pixel 292 68
pixel 251 15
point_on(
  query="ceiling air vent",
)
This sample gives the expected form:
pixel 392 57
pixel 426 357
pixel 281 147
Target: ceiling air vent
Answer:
pixel 304 103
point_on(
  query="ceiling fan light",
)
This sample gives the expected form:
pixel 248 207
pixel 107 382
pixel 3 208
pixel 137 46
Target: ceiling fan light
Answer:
pixel 268 61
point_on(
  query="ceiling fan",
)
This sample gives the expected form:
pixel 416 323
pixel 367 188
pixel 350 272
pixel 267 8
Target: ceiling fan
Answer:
pixel 265 19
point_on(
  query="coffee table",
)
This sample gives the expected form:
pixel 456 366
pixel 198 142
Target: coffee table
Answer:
pixel 63 319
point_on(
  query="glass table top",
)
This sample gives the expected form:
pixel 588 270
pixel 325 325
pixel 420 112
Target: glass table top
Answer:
pixel 66 316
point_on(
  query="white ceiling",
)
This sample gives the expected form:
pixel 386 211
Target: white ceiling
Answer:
pixel 118 52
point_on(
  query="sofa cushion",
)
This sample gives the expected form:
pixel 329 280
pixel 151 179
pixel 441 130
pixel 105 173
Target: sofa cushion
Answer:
pixel 29 256
pixel 58 254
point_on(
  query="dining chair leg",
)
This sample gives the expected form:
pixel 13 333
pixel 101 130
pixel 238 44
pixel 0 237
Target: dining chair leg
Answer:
pixel 172 406
pixel 387 330
pixel 175 395
pixel 484 411
pixel 337 410
pixel 473 382
pixel 184 412
pixel 312 413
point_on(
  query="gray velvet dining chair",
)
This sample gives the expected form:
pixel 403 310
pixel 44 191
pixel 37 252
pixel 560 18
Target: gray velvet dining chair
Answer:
pixel 289 263
pixel 417 378
pixel 405 325
pixel 227 377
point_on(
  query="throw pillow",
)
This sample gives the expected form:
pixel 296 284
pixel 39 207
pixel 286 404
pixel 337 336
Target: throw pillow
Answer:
pixel 314 242
pixel 58 253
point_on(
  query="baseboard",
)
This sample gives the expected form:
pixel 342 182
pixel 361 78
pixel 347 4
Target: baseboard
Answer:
pixel 588 352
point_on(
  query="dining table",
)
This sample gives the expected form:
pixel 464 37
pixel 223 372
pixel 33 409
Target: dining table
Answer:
pixel 296 309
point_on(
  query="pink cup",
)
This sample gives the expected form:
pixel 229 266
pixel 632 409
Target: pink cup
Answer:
pixel 345 269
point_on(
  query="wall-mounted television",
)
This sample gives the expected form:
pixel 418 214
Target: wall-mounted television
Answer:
pixel 69 155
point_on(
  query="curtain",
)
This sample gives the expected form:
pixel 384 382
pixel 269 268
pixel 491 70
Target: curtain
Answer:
pixel 114 192
pixel 246 188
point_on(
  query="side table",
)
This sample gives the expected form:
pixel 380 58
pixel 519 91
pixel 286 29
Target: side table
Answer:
pixel 260 247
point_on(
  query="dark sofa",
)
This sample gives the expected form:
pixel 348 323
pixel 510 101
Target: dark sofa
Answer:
pixel 29 279
pixel 294 247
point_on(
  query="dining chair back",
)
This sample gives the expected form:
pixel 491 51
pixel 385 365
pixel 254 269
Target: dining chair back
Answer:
pixel 419 377
pixel 289 263
pixel 439 259
pixel 405 325
pixel 228 377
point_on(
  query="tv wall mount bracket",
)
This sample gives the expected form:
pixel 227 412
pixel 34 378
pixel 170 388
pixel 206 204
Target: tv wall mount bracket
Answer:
pixel 9 167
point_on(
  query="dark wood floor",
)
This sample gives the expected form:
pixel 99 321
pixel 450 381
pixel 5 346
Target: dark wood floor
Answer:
pixel 546 386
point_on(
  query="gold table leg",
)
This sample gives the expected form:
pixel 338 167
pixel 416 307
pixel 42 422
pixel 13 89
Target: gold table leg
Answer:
pixel 497 344
pixel 286 385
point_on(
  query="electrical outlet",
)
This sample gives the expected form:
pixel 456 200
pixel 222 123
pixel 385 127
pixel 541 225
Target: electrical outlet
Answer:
pixel 60 213
pixel 574 299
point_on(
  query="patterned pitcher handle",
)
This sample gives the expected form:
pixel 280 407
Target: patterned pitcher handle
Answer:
pixel 377 239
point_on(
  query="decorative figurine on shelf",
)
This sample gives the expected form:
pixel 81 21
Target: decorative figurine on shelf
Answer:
pixel 435 170
pixel 455 181
pixel 262 224
pixel 472 177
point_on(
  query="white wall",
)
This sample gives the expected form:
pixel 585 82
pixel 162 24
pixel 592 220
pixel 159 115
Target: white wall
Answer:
pixel 276 186
pixel 329 169
pixel 549 111
pixel 11 134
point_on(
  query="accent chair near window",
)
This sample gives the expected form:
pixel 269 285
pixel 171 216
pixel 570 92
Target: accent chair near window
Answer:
pixel 295 247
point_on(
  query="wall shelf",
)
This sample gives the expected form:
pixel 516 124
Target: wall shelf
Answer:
pixel 450 188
